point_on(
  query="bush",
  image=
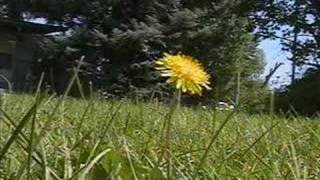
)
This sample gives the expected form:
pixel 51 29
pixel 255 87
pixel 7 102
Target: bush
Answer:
pixel 303 96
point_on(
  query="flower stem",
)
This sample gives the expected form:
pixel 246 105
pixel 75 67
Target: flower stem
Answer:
pixel 176 102
pixel 178 98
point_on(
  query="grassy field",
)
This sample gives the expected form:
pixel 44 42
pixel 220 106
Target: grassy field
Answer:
pixel 54 138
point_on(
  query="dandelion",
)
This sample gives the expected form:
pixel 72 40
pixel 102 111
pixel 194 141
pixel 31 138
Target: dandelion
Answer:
pixel 185 72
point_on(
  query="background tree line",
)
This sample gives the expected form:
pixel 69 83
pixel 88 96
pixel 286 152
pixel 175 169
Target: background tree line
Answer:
pixel 297 24
pixel 121 39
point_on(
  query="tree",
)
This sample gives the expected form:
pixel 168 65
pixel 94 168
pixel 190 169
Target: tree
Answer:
pixel 296 23
pixel 121 39
pixel 302 96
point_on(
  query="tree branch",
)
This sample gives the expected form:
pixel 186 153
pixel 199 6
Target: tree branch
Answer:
pixel 271 73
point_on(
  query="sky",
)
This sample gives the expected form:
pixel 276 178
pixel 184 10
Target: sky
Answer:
pixel 274 54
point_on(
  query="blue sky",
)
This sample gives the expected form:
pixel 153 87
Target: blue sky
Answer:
pixel 274 54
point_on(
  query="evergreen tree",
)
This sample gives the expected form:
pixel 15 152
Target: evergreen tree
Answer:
pixel 121 39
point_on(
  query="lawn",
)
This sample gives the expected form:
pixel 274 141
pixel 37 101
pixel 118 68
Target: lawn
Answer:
pixel 56 138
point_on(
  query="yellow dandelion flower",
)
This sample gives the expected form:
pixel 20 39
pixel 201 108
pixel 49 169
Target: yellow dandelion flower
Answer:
pixel 185 72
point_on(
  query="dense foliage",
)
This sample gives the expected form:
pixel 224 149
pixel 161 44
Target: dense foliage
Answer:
pixel 121 39
pixel 302 98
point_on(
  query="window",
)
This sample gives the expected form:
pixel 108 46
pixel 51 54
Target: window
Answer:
pixel 5 61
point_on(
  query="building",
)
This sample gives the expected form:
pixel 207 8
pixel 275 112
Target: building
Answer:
pixel 17 51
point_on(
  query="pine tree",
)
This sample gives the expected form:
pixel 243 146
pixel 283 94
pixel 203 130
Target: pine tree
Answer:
pixel 122 38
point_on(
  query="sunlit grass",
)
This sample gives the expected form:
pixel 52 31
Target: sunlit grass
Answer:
pixel 94 139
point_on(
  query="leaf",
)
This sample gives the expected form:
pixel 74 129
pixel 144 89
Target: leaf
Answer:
pixel 117 165
pixel 85 172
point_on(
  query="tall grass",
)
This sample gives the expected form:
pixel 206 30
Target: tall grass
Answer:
pixel 94 139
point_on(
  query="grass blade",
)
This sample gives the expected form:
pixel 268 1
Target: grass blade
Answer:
pixel 18 130
pixel 85 170
pixel 259 139
pixel 214 137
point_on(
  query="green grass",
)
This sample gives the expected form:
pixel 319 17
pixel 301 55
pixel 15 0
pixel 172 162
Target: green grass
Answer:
pixel 92 139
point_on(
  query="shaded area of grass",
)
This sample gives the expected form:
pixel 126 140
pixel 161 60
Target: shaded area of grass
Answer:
pixel 93 139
